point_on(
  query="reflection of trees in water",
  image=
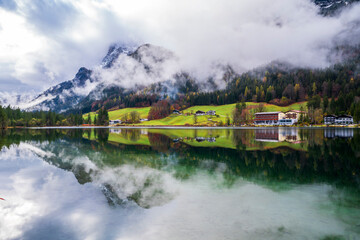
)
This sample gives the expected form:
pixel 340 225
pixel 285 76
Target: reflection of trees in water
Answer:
pixel 131 134
pixel 242 138
pixel 102 135
pixel 159 142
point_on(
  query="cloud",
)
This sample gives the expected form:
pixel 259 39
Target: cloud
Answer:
pixel 47 41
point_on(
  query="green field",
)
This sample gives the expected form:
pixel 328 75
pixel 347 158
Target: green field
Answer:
pixel 187 119
pixel 118 114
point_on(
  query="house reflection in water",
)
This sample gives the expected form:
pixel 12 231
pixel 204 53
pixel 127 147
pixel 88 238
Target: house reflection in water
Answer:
pixel 277 135
pixel 119 130
pixel 339 132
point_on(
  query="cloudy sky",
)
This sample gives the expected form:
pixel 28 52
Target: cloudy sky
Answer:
pixel 44 42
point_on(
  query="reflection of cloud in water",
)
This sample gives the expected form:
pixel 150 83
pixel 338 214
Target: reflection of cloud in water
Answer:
pixel 146 186
pixel 44 201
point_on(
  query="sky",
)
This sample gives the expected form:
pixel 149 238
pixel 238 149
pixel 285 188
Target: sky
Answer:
pixel 44 42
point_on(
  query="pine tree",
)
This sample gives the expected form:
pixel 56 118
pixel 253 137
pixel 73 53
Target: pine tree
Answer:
pixel 3 118
pixel 89 119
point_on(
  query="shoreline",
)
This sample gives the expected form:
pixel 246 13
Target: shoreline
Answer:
pixel 187 127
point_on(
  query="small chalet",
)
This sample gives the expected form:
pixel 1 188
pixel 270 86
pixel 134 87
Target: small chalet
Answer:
pixel 211 112
pixel 199 113
pixel 144 119
pixel 113 122
pixel 176 112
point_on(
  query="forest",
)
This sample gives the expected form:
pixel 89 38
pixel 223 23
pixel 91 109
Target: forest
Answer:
pixel 17 118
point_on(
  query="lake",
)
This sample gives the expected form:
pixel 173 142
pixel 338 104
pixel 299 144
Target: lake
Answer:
pixel 118 183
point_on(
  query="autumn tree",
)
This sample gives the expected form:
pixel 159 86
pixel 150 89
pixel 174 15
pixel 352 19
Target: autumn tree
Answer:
pixel 159 110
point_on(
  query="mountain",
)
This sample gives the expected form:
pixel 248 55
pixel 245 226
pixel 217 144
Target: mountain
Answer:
pixel 67 95
pixel 331 7
pixel 124 72
pixel 63 96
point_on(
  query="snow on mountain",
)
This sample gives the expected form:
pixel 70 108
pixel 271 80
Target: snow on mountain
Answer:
pixel 63 96
pixel 113 53
pixel 124 67
pixel 330 7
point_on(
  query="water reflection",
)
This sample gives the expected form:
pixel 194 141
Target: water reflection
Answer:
pixel 278 135
pixel 339 132
pixel 254 183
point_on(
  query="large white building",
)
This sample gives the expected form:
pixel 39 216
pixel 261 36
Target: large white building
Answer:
pixel 268 118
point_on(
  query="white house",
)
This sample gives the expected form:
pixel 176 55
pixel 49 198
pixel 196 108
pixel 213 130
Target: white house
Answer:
pixel 113 122
pixel 200 113
pixel 211 112
pixel 344 120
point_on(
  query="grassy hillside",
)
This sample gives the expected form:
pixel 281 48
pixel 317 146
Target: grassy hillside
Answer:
pixel 177 120
pixel 117 114
pixel 222 111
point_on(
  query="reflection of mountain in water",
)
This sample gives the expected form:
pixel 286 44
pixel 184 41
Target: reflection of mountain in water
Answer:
pixel 277 135
pixel 140 173
pixel 339 132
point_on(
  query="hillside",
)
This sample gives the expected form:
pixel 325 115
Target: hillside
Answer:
pixel 187 118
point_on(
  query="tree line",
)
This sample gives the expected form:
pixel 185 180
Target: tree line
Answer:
pixel 16 118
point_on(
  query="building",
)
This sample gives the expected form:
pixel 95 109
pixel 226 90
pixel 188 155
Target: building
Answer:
pixel 200 113
pixel 268 118
pixel 329 119
pixel 144 119
pixel 211 112
pixel 113 122
pixel 339 120
pixel 291 117
pixel 344 120
pixel 176 112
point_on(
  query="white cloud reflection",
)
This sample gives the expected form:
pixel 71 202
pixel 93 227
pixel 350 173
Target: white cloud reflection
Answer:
pixel 43 201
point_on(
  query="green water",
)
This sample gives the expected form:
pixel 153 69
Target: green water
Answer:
pixel 264 183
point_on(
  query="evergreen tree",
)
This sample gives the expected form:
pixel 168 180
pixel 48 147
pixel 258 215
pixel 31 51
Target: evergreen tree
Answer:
pixel 3 118
pixel 89 119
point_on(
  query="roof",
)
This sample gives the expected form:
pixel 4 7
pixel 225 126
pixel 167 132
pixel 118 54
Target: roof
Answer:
pixel 198 111
pixel 344 115
pixel 296 111
pixel 268 113
pixel 330 115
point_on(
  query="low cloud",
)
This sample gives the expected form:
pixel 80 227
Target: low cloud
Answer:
pixel 46 42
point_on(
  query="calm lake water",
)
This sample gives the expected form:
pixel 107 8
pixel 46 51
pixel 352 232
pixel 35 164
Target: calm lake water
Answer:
pixel 264 183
